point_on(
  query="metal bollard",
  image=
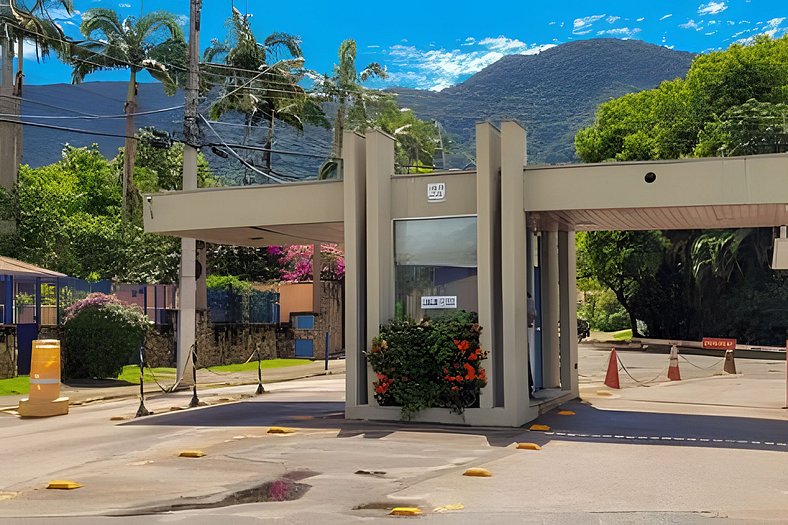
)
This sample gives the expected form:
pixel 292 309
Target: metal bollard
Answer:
pixel 195 400
pixel 142 411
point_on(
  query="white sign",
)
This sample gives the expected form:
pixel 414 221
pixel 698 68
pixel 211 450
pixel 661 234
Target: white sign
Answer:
pixel 436 191
pixel 438 302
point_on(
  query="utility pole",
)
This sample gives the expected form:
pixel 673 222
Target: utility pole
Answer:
pixel 187 313
pixel 10 136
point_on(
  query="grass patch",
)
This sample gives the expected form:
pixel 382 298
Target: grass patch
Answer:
pixel 622 335
pixel 15 386
pixel 252 365
pixel 131 374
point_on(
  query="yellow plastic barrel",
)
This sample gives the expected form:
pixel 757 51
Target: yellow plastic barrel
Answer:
pixel 45 370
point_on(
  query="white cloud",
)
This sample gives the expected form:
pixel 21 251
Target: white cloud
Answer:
pixel 710 33
pixel 620 32
pixel 612 19
pixel 583 25
pixel 552 23
pixel 666 17
pixel 692 24
pixel 712 8
pixel 641 18
pixel 437 69
pixel 773 28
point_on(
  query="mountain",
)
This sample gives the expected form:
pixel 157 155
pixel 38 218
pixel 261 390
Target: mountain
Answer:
pixel 553 94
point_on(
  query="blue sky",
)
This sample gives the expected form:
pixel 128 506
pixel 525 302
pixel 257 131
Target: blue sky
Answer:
pixel 432 45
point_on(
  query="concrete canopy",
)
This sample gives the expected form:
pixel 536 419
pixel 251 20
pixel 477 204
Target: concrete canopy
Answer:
pixel 735 192
pixel 298 213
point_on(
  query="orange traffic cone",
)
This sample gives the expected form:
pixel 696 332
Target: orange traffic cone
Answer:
pixel 673 369
pixel 611 379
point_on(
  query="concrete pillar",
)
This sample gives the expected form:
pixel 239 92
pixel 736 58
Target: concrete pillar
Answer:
pixel 380 244
pixel 513 275
pixel 488 209
pixel 354 187
pixel 187 285
pixel 567 269
pixel 551 373
pixel 187 312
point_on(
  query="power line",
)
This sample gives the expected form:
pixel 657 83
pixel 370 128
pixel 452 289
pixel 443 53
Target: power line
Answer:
pixel 93 117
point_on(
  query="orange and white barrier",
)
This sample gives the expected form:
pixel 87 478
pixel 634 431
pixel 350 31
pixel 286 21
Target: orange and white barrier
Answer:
pixel 673 370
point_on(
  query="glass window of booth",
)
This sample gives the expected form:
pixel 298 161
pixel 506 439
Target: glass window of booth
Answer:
pixel 435 264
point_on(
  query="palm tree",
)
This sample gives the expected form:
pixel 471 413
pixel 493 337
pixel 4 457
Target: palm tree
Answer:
pixel 128 44
pixel 34 23
pixel 260 81
pixel 345 88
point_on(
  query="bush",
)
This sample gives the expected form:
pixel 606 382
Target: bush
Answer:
pixel 603 312
pixel 101 335
pixel 429 363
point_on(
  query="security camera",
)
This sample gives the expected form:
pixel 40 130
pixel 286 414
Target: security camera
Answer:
pixel 149 198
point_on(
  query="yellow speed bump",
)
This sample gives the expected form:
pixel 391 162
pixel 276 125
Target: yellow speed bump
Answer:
pixel 63 484
pixel 478 473
pixel 539 428
pixel 191 454
pixel 528 446
pixel 281 430
pixel 566 413
pixel 405 511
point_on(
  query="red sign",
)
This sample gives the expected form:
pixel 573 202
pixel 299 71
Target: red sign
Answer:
pixel 716 343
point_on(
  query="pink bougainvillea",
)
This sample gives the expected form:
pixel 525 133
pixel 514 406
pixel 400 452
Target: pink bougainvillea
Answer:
pixel 296 262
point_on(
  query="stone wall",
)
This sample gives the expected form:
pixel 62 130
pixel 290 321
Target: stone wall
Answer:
pixel 216 344
pixel 7 355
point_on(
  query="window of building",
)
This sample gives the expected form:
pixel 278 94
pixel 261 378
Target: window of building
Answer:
pixel 435 266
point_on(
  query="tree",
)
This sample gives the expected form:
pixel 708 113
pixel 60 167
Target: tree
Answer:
pixel 130 44
pixel 622 261
pixel 33 21
pixel 158 169
pixel 261 81
pixel 416 140
pixel 732 102
pixel 344 87
pixel 68 218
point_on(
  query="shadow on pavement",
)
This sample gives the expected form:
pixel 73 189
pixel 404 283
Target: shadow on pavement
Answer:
pixel 647 428
pixel 589 424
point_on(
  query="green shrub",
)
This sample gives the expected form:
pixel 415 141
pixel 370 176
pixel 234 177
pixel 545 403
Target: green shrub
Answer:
pixel 603 311
pixel 101 335
pixel 429 363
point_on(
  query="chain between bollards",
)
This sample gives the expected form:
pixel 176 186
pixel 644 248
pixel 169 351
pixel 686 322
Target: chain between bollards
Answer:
pixel 142 411
pixel 260 390
pixel 195 400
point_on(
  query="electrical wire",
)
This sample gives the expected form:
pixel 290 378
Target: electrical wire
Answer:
pixel 93 117
pixel 237 156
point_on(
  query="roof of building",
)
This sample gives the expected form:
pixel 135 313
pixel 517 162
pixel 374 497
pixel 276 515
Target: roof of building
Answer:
pixel 9 266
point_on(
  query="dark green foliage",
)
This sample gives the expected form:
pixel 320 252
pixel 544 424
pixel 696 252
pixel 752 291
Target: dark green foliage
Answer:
pixel 101 336
pixel 68 219
pixel 428 363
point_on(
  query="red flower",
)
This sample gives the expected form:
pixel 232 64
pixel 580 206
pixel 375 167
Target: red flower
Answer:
pixel 462 345
pixel 471 375
pixel 458 378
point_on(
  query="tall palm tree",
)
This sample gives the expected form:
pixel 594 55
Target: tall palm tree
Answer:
pixel 260 81
pixel 128 44
pixel 345 88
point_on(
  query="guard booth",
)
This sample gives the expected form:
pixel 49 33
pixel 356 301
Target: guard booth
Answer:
pixel 481 240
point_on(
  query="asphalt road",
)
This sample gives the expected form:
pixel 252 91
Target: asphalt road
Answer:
pixel 708 450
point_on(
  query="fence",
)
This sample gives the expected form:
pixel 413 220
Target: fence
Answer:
pixel 228 307
pixel 154 299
